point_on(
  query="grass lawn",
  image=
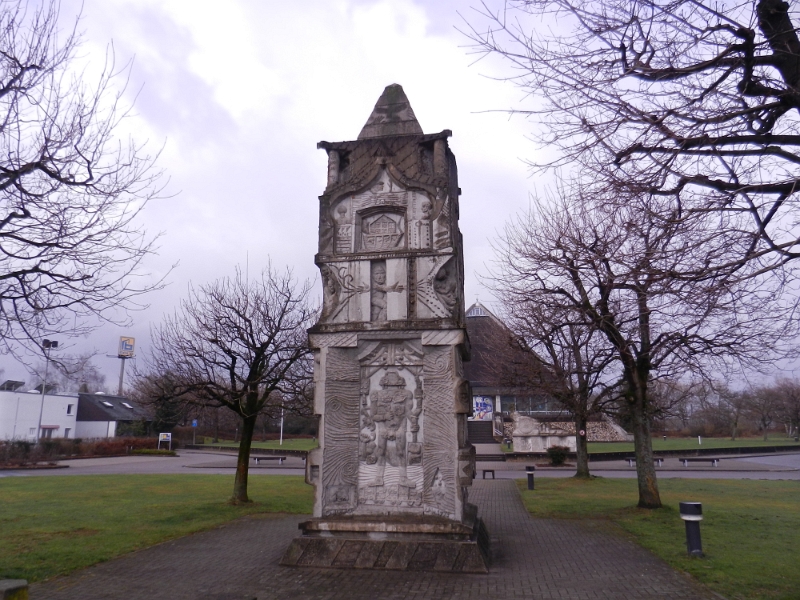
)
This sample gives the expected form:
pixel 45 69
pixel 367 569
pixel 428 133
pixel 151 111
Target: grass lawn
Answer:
pixel 54 525
pixel 691 444
pixel 290 444
pixel 750 528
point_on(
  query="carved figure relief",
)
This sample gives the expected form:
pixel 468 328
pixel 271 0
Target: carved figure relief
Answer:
pixel 437 287
pixel 445 284
pixel 390 450
pixel 378 290
pixel 331 289
pixel 344 230
pixel 420 224
pixel 438 488
pixel 391 408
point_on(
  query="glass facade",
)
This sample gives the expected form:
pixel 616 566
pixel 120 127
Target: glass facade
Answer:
pixel 527 405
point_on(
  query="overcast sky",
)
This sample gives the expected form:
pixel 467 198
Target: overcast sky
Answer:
pixel 240 92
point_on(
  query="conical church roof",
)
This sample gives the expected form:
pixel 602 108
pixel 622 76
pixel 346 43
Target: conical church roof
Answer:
pixel 392 115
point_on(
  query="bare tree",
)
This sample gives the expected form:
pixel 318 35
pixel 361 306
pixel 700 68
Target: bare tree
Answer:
pixel 691 99
pixel 788 393
pixel 733 404
pixel 572 362
pixel 763 406
pixel 240 344
pixel 71 374
pixel 71 245
pixel 648 278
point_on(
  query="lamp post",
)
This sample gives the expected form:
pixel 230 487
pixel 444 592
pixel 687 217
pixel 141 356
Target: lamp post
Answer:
pixel 47 345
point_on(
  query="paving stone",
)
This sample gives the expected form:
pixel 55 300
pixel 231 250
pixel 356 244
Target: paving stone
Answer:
pixel 538 558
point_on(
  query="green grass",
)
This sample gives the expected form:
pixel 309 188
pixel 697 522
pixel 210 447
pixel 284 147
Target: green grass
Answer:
pixel 54 525
pixel 677 444
pixel 750 528
pixel 290 444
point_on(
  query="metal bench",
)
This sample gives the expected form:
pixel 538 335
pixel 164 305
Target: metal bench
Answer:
pixel 258 459
pixel 714 461
pixel 485 471
pixel 632 461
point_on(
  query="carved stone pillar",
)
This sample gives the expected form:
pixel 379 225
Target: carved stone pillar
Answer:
pixel 393 467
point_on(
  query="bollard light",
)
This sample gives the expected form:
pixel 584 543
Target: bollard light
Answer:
pixel 692 514
pixel 529 469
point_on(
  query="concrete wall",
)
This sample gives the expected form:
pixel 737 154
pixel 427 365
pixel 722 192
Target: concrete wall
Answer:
pixel 96 429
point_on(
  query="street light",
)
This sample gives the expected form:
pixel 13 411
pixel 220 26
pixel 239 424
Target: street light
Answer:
pixel 47 345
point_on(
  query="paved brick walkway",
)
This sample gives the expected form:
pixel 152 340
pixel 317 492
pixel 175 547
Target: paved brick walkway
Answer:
pixel 534 558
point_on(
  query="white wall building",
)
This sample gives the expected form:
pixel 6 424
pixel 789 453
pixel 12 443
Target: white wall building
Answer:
pixel 87 416
pixel 20 411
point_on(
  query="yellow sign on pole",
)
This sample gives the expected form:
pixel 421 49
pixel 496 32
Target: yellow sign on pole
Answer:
pixel 126 346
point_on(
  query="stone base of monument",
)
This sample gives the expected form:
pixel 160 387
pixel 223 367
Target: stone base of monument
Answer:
pixel 399 543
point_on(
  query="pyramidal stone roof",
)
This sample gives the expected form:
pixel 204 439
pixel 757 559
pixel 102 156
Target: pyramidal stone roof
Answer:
pixel 392 115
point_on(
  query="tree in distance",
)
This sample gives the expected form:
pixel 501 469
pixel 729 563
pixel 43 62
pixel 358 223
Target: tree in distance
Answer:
pixel 570 360
pixel 71 193
pixel 656 284
pixel 788 394
pixel 240 344
pixel 693 100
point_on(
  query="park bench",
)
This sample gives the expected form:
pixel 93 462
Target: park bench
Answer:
pixel 714 461
pixel 485 471
pixel 258 459
pixel 632 460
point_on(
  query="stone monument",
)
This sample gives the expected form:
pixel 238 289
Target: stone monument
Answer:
pixel 393 467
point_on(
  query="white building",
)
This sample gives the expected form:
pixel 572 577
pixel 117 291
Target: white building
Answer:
pixel 20 415
pixel 71 416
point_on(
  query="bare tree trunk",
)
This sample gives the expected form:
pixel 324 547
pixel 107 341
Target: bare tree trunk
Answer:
pixel 216 425
pixel 243 462
pixel 581 447
pixel 643 445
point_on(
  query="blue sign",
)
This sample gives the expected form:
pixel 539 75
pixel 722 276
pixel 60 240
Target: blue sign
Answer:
pixel 194 422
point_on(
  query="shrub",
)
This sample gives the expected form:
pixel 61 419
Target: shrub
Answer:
pixel 557 454
pixel 152 452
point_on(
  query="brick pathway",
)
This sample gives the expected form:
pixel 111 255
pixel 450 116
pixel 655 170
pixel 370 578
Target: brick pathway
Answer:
pixel 534 558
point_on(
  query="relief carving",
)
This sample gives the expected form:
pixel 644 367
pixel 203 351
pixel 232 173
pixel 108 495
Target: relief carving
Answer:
pixel 339 288
pixel 344 230
pixel 445 284
pixel 331 288
pixel 390 409
pixel 378 290
pixel 390 452
pixel 441 229
pixel 437 287
pixel 420 226
pixel 382 231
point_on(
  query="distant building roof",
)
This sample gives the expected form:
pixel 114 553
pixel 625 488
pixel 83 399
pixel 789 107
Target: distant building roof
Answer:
pixel 9 385
pixel 104 407
pixel 499 364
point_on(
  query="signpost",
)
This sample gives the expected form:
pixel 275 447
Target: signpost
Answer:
pixel 194 430
pixel 165 437
pixel 124 352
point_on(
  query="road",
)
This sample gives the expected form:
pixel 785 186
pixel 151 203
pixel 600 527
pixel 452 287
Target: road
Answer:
pixel 773 466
